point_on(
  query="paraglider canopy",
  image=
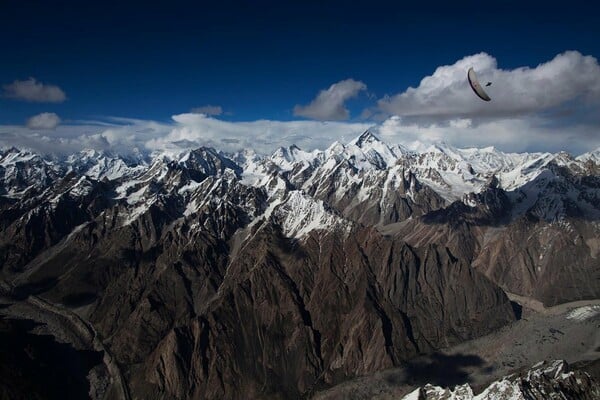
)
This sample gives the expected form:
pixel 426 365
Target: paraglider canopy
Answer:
pixel 476 86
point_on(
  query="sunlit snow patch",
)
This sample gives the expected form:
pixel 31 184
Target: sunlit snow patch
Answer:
pixel 300 214
pixel 583 313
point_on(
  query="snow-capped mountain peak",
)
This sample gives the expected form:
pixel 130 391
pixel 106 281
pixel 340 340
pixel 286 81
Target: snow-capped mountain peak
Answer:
pixel 365 138
pixel 286 157
pixel 593 156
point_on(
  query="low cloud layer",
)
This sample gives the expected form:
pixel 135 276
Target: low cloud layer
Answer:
pixel 569 77
pixel 43 121
pixel 207 110
pixel 264 136
pixel 507 134
pixel 186 131
pixel 34 91
pixel 329 105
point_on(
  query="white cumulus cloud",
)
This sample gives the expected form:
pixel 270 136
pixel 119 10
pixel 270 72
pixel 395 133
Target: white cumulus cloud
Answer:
pixel 33 91
pixel 550 107
pixel 329 105
pixel 569 77
pixel 43 121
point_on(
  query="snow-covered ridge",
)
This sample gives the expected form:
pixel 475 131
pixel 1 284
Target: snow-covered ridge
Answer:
pixel 300 214
pixel 449 171
pixel 463 168
pixel 363 174
pixel 593 156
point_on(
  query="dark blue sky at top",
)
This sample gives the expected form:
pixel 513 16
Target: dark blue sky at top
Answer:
pixel 258 59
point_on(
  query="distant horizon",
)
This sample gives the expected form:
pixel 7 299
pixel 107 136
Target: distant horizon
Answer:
pixel 267 74
pixel 181 148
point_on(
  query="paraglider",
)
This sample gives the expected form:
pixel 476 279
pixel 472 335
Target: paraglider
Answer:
pixel 476 86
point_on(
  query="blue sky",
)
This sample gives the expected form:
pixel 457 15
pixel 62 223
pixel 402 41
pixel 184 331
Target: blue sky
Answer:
pixel 264 60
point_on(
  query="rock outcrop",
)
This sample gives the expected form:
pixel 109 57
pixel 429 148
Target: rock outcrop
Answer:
pixel 546 380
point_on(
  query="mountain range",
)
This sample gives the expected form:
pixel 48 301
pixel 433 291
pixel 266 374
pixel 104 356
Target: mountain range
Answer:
pixel 205 274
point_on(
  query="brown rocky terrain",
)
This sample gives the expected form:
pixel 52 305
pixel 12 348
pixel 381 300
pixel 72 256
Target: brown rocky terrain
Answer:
pixel 189 328
pixel 277 277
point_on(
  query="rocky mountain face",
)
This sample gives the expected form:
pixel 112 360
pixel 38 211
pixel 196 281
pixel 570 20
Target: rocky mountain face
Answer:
pixel 212 275
pixel 546 380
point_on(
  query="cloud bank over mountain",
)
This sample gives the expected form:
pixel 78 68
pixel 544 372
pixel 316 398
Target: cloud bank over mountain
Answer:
pixel 194 130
